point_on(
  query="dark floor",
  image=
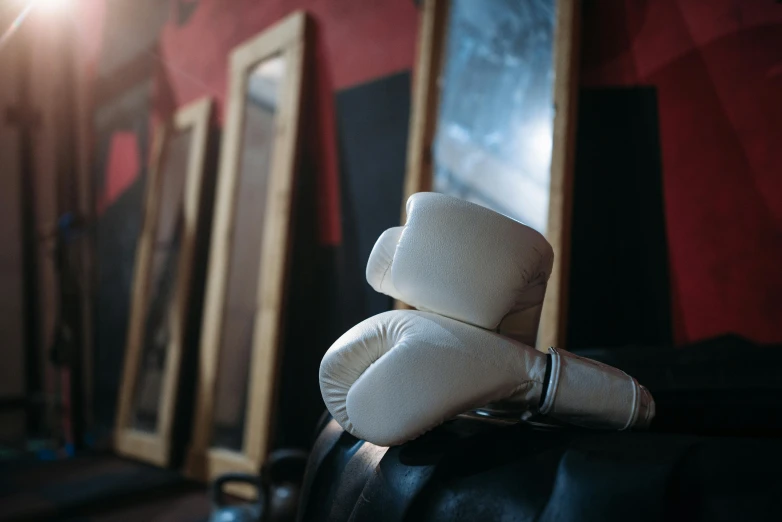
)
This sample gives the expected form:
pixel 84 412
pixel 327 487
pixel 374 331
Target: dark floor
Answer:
pixel 97 488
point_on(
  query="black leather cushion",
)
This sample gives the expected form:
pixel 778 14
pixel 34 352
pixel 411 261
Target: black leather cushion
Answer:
pixel 713 453
pixel 468 471
pixel 722 386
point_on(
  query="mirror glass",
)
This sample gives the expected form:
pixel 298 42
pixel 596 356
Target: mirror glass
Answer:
pixel 494 128
pixel 162 279
pixel 256 148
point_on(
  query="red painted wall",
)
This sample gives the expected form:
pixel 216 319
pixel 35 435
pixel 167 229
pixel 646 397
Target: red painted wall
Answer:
pixel 717 67
pixel 354 41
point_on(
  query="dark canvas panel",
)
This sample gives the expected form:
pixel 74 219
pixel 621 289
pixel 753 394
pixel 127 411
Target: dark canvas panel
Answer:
pixel 619 283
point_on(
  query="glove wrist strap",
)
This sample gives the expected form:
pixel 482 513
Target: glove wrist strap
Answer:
pixel 587 393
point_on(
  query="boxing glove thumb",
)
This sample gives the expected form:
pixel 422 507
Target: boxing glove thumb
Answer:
pixel 466 262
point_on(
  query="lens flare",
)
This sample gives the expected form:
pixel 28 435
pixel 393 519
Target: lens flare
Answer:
pixel 16 24
pixel 48 6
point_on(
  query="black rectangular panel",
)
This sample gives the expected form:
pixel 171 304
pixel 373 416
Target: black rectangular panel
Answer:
pixel 372 123
pixel 619 283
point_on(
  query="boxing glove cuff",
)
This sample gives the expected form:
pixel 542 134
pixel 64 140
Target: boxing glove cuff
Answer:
pixel 587 393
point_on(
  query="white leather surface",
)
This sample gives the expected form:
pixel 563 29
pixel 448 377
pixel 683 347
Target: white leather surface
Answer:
pixel 399 374
pixel 379 263
pixel 465 262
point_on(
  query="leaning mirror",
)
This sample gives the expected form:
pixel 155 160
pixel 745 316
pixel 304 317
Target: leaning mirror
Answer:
pixel 163 285
pixel 248 264
pixel 493 117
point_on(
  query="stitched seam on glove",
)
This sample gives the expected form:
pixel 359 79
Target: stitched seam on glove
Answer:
pixel 391 262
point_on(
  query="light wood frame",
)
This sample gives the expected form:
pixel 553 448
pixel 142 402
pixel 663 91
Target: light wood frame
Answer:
pixel 423 126
pixel 155 447
pixel 287 39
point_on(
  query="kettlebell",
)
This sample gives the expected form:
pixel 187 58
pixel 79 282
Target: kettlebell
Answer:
pixel 281 476
pixel 246 512
pixel 278 488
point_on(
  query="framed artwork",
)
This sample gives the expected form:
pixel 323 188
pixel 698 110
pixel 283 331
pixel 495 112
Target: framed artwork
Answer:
pixel 163 286
pixel 251 240
pixel 493 119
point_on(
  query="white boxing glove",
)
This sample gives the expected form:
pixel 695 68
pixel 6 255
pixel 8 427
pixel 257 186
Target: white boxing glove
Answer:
pixel 399 374
pixel 466 262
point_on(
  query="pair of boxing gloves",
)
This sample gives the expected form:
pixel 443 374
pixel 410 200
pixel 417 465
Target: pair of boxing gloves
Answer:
pixel 477 280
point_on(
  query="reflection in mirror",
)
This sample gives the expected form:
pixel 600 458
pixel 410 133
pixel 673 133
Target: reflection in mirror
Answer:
pixel 257 141
pixel 162 279
pixel 494 129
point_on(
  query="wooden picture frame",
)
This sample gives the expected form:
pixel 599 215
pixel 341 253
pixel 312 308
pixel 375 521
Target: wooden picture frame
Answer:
pixel 423 127
pixel 154 445
pixel 285 42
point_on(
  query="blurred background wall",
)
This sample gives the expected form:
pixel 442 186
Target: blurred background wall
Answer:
pixel 149 57
pixel 678 204
pixel 12 382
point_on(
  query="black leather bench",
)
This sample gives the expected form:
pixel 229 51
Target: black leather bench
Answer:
pixel 713 453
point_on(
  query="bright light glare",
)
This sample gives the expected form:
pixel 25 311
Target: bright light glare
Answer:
pixel 541 141
pixel 51 5
pixel 48 6
pixel 535 142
